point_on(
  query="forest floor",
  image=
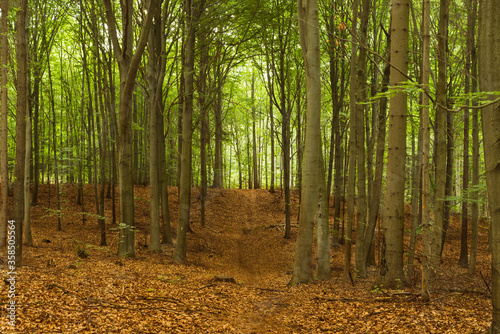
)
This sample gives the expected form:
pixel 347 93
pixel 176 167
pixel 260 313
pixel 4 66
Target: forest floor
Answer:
pixel 59 292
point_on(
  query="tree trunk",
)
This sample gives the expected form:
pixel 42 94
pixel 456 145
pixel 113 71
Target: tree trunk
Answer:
pixel 271 132
pixel 489 81
pixel 218 172
pixel 391 273
pixel 205 121
pixel 375 196
pixel 314 199
pixel 353 137
pixel 185 181
pixel 4 29
pixel 426 133
pixel 416 175
pixel 128 65
pixel 463 261
pixel 155 78
pixel 475 138
pixel 21 109
pixel 441 140
pixel 362 242
pixel 28 238
pixel 256 183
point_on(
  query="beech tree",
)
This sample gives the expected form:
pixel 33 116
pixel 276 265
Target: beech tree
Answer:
pixel 128 62
pixel 314 205
pixel 425 129
pixel 21 110
pixel 4 30
pixel 185 179
pixel 391 271
pixel 489 81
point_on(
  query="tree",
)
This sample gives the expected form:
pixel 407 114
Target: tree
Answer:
pixel 256 181
pixel 489 81
pixel 314 198
pixel 425 129
pixel 353 139
pixel 363 239
pixel 156 73
pixel 128 63
pixel 4 29
pixel 21 110
pixel 391 271
pixel 437 227
pixel 472 17
pixel 185 180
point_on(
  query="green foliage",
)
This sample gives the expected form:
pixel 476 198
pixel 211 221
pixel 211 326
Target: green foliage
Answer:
pixel 122 226
pixel 481 98
pixel 52 213
pixel 94 215
pixel 475 194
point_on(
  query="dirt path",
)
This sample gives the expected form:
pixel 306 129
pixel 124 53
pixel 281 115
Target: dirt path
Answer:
pixel 241 233
pixel 244 239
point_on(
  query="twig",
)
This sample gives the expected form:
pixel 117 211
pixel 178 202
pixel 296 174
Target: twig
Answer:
pixel 264 289
pixel 116 306
pixel 486 283
pixel 356 300
pixel 207 286
pixel 53 285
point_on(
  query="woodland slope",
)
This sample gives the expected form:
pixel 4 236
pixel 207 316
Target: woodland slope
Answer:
pixel 234 281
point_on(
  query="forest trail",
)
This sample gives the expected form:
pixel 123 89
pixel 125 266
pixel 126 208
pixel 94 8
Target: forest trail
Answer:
pixel 58 291
pixel 244 239
pixel 243 235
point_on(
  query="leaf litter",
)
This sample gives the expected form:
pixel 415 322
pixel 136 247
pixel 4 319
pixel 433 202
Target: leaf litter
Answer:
pixel 234 280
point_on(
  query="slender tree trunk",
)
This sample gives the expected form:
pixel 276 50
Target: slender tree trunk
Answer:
pixel 427 236
pixel 416 175
pixel 165 210
pixel 353 137
pixel 102 130
pixel 489 81
pixel 180 111
pixel 249 159
pixel 271 127
pixel 28 238
pixel 314 199
pixel 463 261
pixel 391 272
pixel 441 143
pixel 54 148
pixel 475 138
pixel 300 152
pixel 185 181
pixel 218 167
pixel 21 109
pixel 4 29
pixel 362 242
pixel 375 197
pixel 285 128
pixel 155 79
pixel 205 120
pixel 450 146
pixel 238 156
pixel 128 64
pixel 256 181
pixel 335 136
